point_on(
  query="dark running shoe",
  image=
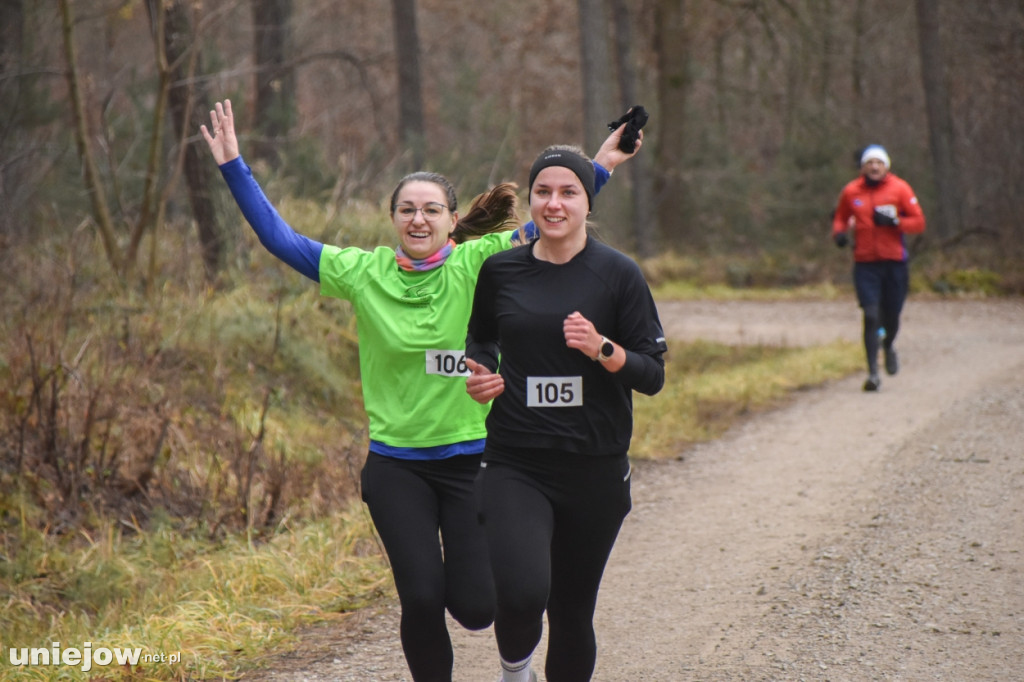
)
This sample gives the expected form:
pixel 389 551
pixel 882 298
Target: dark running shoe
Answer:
pixel 892 361
pixel 873 383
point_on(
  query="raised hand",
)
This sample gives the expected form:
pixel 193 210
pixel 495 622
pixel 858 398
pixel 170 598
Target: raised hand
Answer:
pixel 223 143
pixel 609 155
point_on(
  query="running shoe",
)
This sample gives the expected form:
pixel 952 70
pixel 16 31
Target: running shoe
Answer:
pixel 892 361
pixel 872 383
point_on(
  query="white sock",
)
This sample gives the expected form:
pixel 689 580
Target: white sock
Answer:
pixel 516 672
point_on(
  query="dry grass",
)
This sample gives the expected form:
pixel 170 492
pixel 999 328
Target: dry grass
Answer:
pixel 177 471
pixel 221 605
pixel 710 386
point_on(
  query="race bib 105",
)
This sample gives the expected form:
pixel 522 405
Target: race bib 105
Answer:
pixel 554 391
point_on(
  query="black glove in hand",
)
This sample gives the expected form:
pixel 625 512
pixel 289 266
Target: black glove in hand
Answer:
pixel 635 119
pixel 841 240
pixel 883 220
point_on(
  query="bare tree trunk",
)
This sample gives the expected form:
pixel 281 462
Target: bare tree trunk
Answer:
pixel 410 91
pixel 148 209
pixel 859 29
pixel 672 53
pixel 827 21
pixel 181 42
pixel 640 165
pixel 940 120
pixel 93 181
pixel 596 70
pixel 12 16
pixel 274 106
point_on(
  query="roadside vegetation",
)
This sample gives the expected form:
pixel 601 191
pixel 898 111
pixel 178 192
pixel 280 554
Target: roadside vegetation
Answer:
pixel 179 469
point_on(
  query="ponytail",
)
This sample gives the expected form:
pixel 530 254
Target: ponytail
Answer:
pixel 492 211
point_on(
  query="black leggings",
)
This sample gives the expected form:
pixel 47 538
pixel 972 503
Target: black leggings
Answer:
pixel 881 291
pixel 410 501
pixel 551 519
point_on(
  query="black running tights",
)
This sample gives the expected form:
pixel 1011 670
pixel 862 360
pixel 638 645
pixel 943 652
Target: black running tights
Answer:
pixel 551 519
pixel 410 502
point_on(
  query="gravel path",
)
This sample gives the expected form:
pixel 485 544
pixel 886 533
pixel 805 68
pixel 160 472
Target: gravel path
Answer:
pixel 846 537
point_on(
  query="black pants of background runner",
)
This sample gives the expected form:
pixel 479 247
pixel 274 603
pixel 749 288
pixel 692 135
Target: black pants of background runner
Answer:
pixel 410 501
pixel 551 519
pixel 881 290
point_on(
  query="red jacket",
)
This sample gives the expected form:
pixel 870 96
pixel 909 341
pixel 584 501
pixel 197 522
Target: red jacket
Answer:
pixel 857 204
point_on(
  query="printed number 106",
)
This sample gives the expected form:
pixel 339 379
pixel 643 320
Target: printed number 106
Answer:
pixel 446 363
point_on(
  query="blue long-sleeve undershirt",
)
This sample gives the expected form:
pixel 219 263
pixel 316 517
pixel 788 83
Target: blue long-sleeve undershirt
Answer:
pixel 298 251
pixel 278 237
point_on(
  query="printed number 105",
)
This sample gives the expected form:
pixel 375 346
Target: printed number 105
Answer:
pixel 554 391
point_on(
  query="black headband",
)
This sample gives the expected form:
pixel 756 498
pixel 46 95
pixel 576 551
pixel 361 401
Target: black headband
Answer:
pixel 583 169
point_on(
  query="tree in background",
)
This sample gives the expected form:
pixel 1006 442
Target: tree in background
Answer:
pixel 671 45
pixel 12 14
pixel 941 132
pixel 600 105
pixel 94 184
pixel 756 106
pixel 188 110
pixel 145 213
pixel 12 105
pixel 274 106
pixel 857 68
pixel 644 227
pixel 411 127
pixel 596 68
pixel 987 90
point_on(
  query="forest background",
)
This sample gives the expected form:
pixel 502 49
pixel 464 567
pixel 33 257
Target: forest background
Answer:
pixel 162 377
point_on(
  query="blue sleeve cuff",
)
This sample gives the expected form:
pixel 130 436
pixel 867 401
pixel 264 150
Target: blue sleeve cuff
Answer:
pixel 601 175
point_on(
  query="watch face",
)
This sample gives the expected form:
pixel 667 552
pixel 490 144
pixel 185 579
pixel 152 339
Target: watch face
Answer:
pixel 607 349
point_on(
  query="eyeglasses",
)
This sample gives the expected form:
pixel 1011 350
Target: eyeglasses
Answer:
pixel 431 212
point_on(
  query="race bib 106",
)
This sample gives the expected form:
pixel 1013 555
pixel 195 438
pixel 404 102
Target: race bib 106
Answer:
pixel 554 391
pixel 448 363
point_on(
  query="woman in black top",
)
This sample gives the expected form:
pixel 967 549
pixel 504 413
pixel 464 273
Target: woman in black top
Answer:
pixel 579 332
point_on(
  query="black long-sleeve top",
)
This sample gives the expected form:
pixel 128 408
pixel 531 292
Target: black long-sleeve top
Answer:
pixel 555 397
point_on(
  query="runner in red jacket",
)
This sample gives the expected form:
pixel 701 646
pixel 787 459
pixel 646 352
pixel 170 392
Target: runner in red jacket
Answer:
pixel 880 209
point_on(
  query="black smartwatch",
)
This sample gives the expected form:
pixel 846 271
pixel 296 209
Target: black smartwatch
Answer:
pixel 607 349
